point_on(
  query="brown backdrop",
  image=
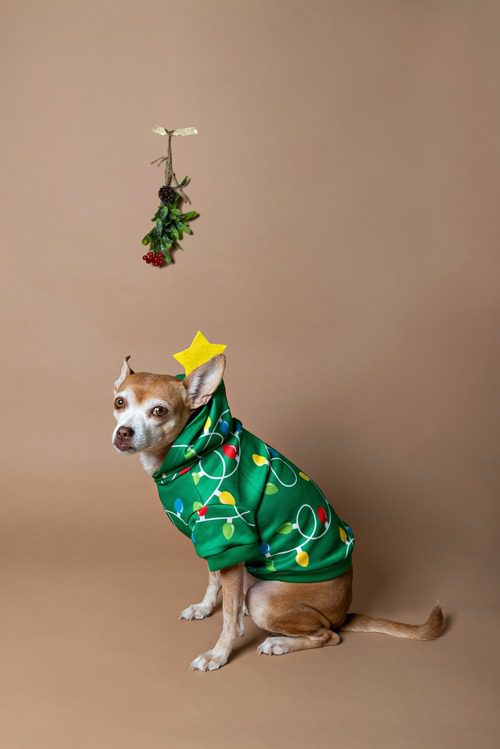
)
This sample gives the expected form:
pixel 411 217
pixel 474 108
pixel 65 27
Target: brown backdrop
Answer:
pixel 347 171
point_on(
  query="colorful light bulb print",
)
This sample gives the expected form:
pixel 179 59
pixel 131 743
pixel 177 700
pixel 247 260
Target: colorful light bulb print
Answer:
pixel 270 488
pixel 226 498
pixel 178 505
pixel 230 452
pixel 259 460
pixel 302 558
pixel 322 516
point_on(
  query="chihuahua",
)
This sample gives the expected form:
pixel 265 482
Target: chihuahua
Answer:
pixel 273 543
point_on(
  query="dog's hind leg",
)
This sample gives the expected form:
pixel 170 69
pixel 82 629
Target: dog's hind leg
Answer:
pixel 206 606
pixel 287 644
pixel 304 615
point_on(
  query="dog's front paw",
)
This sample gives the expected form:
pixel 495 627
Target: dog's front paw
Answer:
pixel 209 661
pixel 273 646
pixel 196 611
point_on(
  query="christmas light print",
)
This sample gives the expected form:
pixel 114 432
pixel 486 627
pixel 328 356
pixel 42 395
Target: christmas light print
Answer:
pixel 347 537
pixel 226 498
pixel 179 505
pixel 228 452
pixel 322 516
pixel 217 479
pixel 323 512
pixel 302 558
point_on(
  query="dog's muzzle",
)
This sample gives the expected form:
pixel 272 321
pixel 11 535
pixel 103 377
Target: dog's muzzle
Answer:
pixel 123 439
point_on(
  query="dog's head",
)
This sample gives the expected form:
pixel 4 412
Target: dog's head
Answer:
pixel 151 410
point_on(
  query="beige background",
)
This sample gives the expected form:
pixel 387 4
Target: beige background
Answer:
pixel 347 173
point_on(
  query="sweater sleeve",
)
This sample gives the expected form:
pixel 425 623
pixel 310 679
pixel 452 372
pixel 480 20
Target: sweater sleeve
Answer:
pixel 223 534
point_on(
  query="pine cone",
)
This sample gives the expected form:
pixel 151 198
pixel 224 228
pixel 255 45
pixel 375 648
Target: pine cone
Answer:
pixel 167 194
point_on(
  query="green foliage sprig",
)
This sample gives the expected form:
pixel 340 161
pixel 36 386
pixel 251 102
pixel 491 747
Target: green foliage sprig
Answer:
pixel 170 223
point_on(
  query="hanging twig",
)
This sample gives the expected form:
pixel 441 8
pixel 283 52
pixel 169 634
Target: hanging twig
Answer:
pixel 170 223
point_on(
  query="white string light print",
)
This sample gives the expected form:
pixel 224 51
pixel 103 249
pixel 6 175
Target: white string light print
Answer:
pixel 308 524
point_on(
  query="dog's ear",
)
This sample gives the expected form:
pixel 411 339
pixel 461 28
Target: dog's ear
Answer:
pixel 125 371
pixel 203 381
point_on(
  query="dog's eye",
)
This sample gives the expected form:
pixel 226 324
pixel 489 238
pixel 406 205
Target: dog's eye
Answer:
pixel 159 411
pixel 119 402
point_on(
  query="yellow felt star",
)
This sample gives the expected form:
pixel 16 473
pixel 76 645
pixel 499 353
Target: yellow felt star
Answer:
pixel 199 352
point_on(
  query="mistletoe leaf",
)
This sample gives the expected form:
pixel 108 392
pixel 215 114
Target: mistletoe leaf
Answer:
pixel 163 212
pixel 159 226
pixel 185 228
pixel 190 215
pixel 146 239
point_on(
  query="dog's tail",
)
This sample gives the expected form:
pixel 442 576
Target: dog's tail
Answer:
pixel 429 630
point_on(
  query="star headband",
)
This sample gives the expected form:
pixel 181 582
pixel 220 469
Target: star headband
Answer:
pixel 199 352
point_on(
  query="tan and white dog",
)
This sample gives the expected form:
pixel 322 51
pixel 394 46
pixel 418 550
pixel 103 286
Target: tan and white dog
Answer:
pixel 151 411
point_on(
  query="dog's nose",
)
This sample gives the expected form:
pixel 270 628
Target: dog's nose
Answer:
pixel 125 433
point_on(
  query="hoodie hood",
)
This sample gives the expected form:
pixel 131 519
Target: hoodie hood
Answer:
pixel 208 428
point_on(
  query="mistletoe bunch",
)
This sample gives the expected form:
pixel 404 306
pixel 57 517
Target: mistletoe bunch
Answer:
pixel 170 223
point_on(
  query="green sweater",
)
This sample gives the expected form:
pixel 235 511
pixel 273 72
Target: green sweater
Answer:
pixel 240 500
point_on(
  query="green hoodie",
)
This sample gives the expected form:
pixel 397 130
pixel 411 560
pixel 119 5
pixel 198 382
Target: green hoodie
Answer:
pixel 240 500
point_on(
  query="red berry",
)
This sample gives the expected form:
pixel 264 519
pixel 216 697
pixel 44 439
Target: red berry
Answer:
pixel 144 257
pixel 148 260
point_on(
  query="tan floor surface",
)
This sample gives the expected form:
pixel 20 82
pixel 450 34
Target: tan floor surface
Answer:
pixel 94 657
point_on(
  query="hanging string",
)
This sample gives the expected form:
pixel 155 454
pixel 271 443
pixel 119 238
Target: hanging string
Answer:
pixel 170 176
